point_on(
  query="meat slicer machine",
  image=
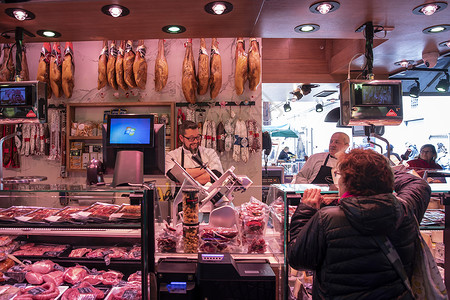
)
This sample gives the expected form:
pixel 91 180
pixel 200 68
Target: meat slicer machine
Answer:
pixel 219 194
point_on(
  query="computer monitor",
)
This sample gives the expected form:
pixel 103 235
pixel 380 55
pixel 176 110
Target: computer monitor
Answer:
pixel 134 132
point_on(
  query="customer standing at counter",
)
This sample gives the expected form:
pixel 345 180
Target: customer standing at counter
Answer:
pixel 317 168
pixel 425 161
pixel 337 241
pixel 190 139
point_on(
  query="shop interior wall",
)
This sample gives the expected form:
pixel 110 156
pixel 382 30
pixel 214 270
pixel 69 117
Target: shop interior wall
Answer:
pixel 86 55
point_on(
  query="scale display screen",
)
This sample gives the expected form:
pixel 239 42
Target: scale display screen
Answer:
pixel 13 96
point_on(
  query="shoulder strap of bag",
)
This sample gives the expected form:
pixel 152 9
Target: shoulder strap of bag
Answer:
pixel 388 249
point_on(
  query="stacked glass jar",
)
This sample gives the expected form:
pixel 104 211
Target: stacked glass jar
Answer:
pixel 190 220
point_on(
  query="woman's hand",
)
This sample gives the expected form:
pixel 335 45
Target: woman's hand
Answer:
pixel 312 197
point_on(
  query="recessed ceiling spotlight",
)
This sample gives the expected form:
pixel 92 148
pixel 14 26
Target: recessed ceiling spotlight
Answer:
pixel 324 7
pixel 429 8
pixel 319 107
pixel 445 44
pixel 48 33
pixel 115 10
pixel 218 7
pixel 436 28
pixel 19 14
pixel 174 29
pixel 287 106
pixel 404 63
pixel 307 28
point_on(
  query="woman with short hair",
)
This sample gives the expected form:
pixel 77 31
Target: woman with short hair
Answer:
pixel 337 241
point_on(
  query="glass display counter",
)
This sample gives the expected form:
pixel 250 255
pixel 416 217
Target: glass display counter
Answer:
pixel 56 222
pixel 432 225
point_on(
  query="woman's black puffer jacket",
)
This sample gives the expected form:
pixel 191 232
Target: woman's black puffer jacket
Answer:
pixel 336 241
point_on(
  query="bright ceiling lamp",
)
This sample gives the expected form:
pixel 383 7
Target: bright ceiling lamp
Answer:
pixel 306 28
pixel 324 7
pixel 19 14
pixel 436 29
pixel 415 90
pixel 445 44
pixel 174 29
pixel 443 84
pixel 48 33
pixel 115 10
pixel 429 9
pixel 218 7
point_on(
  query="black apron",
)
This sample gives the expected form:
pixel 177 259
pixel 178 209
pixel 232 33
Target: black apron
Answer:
pixel 324 175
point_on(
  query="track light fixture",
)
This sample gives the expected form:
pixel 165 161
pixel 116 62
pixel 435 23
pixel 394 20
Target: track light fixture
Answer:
pixel 324 7
pixel 319 107
pixel 415 90
pixel 428 9
pixel 287 106
pixel 443 84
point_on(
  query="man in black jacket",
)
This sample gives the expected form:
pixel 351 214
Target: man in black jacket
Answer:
pixel 337 241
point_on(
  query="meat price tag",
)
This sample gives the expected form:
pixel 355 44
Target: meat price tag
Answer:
pixel 115 216
pixel 24 219
pixel 36 291
pixel 84 214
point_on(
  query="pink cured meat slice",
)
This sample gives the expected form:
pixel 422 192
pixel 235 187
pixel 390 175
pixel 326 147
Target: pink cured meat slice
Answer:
pixel 34 278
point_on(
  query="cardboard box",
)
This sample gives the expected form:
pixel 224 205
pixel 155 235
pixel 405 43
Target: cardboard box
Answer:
pixel 93 155
pixel 77 145
pixel 86 160
pixel 75 162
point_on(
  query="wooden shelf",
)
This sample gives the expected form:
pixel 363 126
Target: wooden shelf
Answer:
pixel 80 112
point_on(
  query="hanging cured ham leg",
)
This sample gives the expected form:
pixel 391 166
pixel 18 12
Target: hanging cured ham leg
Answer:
pixel 254 65
pixel 240 75
pixel 24 73
pixel 203 69
pixel 43 73
pixel 102 66
pixel 128 62
pixel 189 83
pixel 161 68
pixel 68 70
pixel 7 68
pixel 111 66
pixel 140 66
pixel 119 67
pixel 215 80
pixel 56 70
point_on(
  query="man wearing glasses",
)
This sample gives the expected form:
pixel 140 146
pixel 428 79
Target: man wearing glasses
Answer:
pixel 190 139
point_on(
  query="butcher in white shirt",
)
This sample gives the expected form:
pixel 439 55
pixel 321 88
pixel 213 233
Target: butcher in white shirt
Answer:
pixel 317 169
pixel 190 137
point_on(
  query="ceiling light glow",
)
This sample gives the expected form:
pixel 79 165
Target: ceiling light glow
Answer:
pixel 324 8
pixel 219 8
pixel 429 9
pixel 436 29
pixel 174 29
pixel 115 11
pixel 48 33
pixel 20 15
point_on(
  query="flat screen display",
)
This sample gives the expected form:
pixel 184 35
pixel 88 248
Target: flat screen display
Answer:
pixel 130 131
pixel 375 95
pixel 11 96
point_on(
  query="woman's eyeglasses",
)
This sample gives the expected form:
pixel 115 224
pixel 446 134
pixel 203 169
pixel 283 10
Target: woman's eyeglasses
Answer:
pixel 193 138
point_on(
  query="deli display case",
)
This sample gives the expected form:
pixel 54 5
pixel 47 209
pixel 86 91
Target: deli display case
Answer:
pixel 284 198
pixel 78 238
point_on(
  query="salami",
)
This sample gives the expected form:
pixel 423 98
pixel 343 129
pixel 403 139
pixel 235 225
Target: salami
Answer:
pixel 203 69
pixel 189 83
pixel 56 70
pixel 128 62
pixel 215 80
pixel 43 73
pixel 102 66
pixel 119 67
pixel 161 68
pixel 111 66
pixel 140 66
pixel 68 71
pixel 240 75
pixel 254 65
